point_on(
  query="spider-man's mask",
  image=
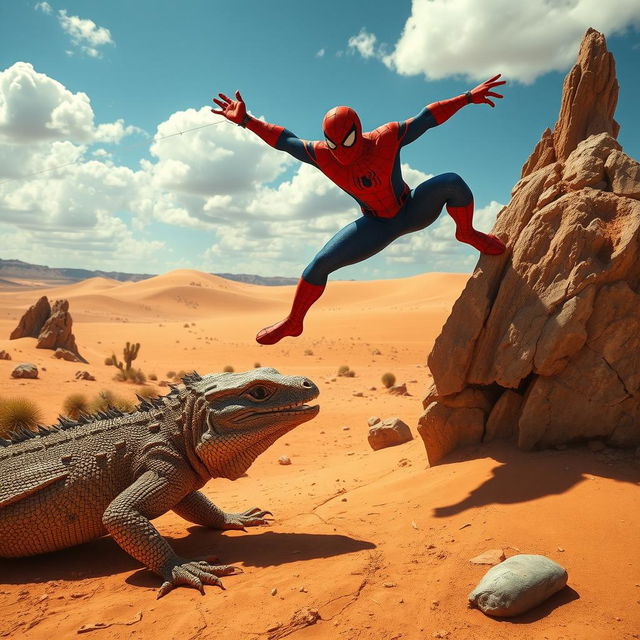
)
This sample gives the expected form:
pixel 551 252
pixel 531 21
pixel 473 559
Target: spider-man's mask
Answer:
pixel 343 133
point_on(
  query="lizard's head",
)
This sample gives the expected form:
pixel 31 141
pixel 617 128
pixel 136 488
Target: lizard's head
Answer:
pixel 237 416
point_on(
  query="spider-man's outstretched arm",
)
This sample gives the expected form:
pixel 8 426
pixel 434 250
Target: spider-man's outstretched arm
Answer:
pixel 274 135
pixel 438 112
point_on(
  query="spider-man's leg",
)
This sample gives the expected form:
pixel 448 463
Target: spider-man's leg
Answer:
pixel 355 242
pixel 450 190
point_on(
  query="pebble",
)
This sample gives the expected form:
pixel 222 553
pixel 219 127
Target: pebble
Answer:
pixel 274 591
pixel 389 585
pixel 284 460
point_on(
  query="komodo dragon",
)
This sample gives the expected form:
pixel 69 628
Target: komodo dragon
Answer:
pixel 113 472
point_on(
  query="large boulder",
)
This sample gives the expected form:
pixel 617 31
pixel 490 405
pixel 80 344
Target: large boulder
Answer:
pixel 33 320
pixel 541 344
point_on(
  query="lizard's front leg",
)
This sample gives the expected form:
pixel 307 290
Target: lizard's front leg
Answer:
pixel 197 508
pixel 127 520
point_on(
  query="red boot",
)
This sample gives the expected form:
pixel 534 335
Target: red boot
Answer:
pixel 483 242
pixel 306 295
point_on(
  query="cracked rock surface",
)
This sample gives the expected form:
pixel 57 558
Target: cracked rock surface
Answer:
pixel 543 340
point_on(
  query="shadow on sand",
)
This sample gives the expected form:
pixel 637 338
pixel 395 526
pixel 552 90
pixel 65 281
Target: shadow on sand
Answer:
pixel 521 476
pixel 103 557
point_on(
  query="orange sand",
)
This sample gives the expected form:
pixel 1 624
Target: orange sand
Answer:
pixel 374 541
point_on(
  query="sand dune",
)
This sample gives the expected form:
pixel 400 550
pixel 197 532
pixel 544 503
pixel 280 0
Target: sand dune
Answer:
pixel 374 541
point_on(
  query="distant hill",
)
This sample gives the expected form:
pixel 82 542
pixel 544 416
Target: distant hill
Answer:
pixel 20 270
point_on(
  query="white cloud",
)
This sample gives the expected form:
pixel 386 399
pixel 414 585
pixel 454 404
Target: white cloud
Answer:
pixel 35 108
pixel 320 53
pixel 522 41
pixel 85 34
pixel 45 7
pixel 364 43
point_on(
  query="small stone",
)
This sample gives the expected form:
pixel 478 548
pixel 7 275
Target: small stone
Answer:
pixel 284 460
pixel 4 355
pixel 358 394
pixel 561 549
pixel 346 428
pixel 399 390
pixel 25 370
pixel 274 591
pixel 303 589
pixel 84 375
pixel 374 420
pixel 390 432
pixel 389 585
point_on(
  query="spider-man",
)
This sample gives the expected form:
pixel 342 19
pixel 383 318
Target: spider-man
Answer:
pixel 367 167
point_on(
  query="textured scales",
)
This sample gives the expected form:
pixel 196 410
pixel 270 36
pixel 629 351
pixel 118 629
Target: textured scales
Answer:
pixel 112 473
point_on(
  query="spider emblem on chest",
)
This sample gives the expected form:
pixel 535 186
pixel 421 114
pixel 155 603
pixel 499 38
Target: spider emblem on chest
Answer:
pixel 367 180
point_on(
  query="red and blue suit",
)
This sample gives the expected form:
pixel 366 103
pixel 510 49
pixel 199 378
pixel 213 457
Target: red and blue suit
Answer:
pixel 367 167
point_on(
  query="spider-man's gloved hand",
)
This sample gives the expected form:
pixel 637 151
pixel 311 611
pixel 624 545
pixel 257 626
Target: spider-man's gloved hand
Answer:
pixel 234 110
pixel 478 95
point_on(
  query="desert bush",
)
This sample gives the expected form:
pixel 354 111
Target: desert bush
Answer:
pixel 75 404
pixel 153 376
pixel 125 405
pixel 171 375
pixel 136 376
pixel 102 401
pixel 228 368
pixel 147 392
pixel 388 380
pixel 308 352
pixel 256 365
pixel 185 325
pixel 16 413
pixel 345 372
pixel 108 361
pixel 181 374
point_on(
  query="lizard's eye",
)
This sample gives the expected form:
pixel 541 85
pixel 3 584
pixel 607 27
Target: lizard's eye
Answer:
pixel 350 139
pixel 260 392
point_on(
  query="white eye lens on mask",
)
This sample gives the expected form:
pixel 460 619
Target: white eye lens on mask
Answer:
pixel 350 139
pixel 330 144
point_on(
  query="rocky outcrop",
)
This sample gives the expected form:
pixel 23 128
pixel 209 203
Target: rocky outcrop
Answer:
pixel 543 343
pixel 51 325
pixel 33 320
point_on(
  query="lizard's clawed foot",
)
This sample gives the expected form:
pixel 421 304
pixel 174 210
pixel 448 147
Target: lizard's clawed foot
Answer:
pixel 195 574
pixel 249 518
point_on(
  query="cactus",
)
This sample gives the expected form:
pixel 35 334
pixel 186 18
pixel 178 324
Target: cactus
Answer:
pixel 130 353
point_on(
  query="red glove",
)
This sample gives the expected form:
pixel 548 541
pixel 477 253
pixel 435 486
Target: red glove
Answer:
pixel 234 110
pixel 479 94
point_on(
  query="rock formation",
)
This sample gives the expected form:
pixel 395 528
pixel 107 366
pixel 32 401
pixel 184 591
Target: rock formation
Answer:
pixel 543 344
pixel 51 325
pixel 33 320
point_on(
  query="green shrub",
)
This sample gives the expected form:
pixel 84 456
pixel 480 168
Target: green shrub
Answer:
pixel 388 380
pixel 75 404
pixel 19 412
pixel 136 376
pixel 345 372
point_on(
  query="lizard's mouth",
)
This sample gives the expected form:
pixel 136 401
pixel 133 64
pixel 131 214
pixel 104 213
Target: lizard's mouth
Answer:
pixel 298 409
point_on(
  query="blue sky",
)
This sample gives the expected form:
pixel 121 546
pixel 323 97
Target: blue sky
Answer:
pixel 95 85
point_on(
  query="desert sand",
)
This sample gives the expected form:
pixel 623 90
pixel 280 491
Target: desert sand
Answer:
pixel 378 543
